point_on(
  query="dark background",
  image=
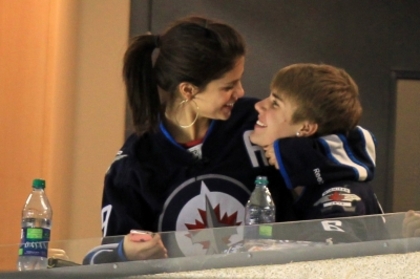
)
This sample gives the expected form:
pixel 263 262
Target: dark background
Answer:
pixel 371 39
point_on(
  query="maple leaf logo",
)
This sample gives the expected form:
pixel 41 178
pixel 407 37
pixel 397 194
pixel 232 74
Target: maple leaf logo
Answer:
pixel 211 219
pixel 226 220
pixel 336 196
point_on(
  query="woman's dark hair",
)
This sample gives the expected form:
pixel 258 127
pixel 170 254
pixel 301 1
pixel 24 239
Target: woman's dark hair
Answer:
pixel 193 49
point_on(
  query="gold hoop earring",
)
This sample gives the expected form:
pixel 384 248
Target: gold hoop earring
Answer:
pixel 183 102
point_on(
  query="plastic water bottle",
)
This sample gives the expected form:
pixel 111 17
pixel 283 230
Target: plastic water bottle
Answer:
pixel 35 232
pixel 260 209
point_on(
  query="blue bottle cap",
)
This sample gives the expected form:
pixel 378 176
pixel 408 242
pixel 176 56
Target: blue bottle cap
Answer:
pixel 261 180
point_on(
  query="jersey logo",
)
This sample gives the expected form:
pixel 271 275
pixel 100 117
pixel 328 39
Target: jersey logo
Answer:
pixel 318 176
pixel 213 241
pixel 332 225
pixel 208 201
pixel 196 151
pixel 211 218
pixel 338 196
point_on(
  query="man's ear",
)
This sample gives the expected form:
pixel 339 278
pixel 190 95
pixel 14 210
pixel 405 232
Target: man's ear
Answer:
pixel 308 129
pixel 187 90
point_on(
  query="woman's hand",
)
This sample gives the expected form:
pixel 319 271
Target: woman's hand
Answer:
pixel 144 250
pixel 411 224
pixel 271 156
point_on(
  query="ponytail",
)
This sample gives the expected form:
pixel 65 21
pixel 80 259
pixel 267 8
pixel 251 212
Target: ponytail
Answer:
pixel 140 83
pixel 193 49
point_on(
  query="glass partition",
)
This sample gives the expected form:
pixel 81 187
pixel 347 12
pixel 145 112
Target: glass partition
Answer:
pixel 213 250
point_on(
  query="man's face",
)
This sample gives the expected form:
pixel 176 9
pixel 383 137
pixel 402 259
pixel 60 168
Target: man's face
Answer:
pixel 274 119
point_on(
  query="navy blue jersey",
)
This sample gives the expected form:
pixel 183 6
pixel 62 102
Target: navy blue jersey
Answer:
pixel 328 159
pixel 155 184
pixel 334 172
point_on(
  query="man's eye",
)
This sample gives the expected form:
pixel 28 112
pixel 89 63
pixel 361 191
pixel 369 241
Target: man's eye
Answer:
pixel 274 104
pixel 228 88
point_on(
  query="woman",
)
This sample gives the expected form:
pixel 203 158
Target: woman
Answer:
pixel 190 164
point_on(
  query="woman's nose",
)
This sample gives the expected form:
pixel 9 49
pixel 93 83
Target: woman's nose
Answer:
pixel 239 92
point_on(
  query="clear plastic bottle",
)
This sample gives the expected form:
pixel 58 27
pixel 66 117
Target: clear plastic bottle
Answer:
pixel 260 209
pixel 35 232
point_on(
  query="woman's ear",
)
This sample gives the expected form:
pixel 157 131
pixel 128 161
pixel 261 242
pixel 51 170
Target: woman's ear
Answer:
pixel 187 90
pixel 308 129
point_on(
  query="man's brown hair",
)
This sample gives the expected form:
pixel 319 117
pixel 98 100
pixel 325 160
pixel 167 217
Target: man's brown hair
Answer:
pixel 323 94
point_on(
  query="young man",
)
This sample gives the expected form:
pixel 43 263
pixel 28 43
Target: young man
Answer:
pixel 312 114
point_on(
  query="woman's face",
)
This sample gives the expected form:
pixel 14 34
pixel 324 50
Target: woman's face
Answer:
pixel 217 99
pixel 274 120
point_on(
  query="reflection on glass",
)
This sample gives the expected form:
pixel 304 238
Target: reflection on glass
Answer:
pixel 225 247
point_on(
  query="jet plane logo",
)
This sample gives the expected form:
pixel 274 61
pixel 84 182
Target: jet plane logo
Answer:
pixel 213 241
pixel 209 210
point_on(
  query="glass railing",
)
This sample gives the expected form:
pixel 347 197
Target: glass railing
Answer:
pixel 213 250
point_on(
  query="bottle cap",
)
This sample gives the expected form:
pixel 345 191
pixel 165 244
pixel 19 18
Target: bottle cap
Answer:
pixel 261 180
pixel 38 183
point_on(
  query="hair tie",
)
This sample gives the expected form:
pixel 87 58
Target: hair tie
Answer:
pixel 157 41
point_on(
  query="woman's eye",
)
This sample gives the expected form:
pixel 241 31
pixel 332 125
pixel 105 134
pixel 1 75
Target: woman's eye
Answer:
pixel 228 88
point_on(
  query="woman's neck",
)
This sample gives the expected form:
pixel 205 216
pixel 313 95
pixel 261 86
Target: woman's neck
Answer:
pixel 185 135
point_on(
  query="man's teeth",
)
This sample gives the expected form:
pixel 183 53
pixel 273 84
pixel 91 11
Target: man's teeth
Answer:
pixel 259 123
pixel 230 104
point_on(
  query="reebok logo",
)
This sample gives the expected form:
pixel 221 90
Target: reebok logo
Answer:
pixel 318 176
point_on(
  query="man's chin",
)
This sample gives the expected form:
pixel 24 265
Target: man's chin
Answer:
pixel 254 139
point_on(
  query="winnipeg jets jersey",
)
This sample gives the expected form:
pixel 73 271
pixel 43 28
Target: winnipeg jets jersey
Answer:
pixel 157 185
pixel 327 159
pixel 334 171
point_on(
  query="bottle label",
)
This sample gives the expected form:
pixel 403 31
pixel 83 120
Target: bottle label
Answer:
pixel 34 242
pixel 266 231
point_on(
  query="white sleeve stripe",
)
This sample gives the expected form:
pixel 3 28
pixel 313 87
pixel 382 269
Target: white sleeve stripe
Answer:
pixel 351 155
pixel 338 153
pixel 369 144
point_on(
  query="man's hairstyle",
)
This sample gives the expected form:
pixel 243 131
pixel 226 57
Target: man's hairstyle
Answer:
pixel 323 94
